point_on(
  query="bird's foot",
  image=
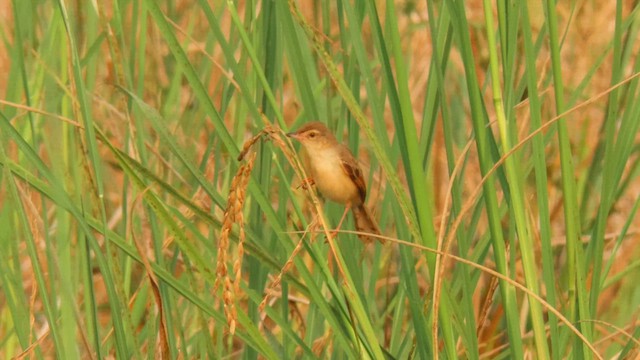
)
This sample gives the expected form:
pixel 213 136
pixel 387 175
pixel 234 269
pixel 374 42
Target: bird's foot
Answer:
pixel 306 183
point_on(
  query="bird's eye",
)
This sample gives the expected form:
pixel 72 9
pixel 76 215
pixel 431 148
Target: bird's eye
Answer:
pixel 312 134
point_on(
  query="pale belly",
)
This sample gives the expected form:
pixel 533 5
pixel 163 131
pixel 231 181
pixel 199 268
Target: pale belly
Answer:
pixel 332 182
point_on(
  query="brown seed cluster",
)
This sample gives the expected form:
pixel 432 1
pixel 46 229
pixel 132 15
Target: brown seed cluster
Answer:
pixel 232 215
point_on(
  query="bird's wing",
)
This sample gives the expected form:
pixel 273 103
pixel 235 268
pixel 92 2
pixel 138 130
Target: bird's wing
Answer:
pixel 351 168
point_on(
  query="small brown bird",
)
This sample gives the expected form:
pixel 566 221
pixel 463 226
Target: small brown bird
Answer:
pixel 335 172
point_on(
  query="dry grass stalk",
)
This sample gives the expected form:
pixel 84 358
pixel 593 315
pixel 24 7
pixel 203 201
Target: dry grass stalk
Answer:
pixel 284 270
pixel 147 258
pixel 233 214
pixel 483 317
pixel 269 131
pixel 274 134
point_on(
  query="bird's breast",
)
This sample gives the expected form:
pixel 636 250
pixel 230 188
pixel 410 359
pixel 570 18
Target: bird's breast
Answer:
pixel 331 179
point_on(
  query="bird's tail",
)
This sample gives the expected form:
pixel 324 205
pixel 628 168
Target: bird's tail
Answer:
pixel 365 223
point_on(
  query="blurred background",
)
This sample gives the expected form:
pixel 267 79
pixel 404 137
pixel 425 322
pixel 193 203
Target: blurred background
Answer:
pixel 501 133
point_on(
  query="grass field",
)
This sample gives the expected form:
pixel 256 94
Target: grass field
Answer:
pixel 151 207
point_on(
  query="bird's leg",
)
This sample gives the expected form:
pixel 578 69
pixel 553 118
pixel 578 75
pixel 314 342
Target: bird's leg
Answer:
pixel 306 183
pixel 344 215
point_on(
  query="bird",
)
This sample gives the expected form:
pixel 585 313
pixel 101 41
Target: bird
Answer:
pixel 334 170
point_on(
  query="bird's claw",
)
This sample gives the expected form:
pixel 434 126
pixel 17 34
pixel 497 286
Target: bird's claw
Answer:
pixel 306 184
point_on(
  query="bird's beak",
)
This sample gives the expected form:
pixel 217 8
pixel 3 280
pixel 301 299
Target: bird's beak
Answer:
pixel 293 135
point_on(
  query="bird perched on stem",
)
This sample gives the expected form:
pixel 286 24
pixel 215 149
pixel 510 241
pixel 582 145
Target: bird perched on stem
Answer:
pixel 336 173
